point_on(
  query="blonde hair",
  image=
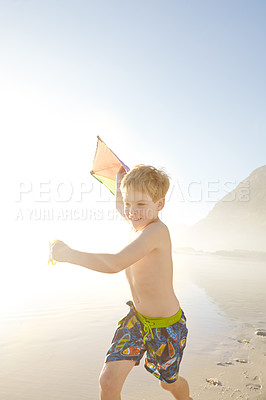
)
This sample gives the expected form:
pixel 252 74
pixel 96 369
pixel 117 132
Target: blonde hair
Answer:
pixel 146 179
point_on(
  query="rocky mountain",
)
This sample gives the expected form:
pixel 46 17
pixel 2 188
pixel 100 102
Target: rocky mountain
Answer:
pixel 237 221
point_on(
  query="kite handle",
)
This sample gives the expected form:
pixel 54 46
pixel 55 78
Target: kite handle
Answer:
pixel 51 260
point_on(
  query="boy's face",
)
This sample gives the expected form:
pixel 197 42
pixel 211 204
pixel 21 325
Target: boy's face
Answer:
pixel 140 209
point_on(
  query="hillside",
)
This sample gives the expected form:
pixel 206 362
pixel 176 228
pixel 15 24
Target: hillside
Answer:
pixel 237 221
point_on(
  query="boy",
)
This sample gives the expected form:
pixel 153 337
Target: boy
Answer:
pixel 155 323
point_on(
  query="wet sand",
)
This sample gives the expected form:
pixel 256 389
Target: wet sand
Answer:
pixel 234 367
pixel 54 344
pixel 236 370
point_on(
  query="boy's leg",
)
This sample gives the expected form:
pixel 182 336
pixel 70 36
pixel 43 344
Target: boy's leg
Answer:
pixel 112 378
pixel 179 388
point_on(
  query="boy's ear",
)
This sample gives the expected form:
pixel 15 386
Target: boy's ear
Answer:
pixel 161 204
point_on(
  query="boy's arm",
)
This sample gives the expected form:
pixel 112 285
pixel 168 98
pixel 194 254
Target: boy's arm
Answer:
pixel 149 239
pixel 118 195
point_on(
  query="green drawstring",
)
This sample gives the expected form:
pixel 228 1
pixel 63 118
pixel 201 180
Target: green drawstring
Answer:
pixel 147 329
pixel 150 323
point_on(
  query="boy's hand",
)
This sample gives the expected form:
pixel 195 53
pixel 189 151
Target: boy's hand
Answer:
pixel 60 251
pixel 120 174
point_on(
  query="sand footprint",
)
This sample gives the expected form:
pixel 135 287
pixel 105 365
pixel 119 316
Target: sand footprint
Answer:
pixel 255 384
pixel 244 341
pixel 241 360
pixel 214 381
pixel 225 364
pixel 260 332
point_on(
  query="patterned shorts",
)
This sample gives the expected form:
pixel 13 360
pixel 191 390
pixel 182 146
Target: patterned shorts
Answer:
pixel 164 350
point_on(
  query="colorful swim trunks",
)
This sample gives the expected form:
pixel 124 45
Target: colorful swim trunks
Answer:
pixel 164 340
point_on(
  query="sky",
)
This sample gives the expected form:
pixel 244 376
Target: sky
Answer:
pixel 175 84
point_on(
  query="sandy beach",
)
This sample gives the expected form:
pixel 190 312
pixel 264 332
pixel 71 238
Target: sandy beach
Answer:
pixel 234 366
pixel 53 345
pixel 236 371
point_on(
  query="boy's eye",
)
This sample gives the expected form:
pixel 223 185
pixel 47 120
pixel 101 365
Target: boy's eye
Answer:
pixel 139 204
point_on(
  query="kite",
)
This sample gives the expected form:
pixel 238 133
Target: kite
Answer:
pixel 105 166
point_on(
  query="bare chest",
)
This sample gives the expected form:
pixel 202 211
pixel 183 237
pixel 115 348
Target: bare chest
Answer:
pixel 151 271
pixel 144 270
